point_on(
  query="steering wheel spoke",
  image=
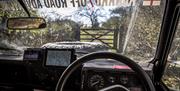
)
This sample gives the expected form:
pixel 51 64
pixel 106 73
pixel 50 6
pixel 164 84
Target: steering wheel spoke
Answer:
pixel 109 88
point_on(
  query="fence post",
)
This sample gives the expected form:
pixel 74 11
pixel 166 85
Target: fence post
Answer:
pixel 115 39
pixel 77 33
pixel 121 38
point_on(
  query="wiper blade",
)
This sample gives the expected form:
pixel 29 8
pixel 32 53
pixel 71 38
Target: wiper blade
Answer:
pixel 10 52
pixel 2 48
pixel 6 45
pixel 4 54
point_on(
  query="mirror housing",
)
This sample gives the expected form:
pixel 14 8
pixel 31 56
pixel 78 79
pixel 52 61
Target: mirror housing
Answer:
pixel 26 23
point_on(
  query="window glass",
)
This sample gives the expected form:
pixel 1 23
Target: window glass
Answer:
pixel 172 73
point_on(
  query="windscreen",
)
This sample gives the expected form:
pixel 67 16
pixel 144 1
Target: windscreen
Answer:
pixel 127 27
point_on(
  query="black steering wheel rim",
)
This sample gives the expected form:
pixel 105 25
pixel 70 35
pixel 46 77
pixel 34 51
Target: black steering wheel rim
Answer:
pixel 105 55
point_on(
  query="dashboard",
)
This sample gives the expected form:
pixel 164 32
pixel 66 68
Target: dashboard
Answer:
pixel 42 67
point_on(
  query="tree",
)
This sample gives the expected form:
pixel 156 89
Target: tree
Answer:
pixel 112 22
pixel 11 9
pixel 63 30
pixel 143 40
pixel 93 13
pixel 120 20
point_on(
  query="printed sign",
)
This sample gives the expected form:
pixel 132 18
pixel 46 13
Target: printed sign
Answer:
pixel 76 3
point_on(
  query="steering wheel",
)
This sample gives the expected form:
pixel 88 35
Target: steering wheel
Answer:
pixel 105 55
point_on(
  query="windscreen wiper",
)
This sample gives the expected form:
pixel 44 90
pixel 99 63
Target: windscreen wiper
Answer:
pixel 5 51
pixel 10 52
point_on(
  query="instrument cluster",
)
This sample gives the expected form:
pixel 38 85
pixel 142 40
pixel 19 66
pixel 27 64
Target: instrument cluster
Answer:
pixel 97 77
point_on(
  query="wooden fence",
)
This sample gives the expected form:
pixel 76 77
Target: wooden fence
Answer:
pixel 105 36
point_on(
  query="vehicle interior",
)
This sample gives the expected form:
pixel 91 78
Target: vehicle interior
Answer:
pixel 89 45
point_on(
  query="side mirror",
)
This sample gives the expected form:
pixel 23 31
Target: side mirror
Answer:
pixel 26 23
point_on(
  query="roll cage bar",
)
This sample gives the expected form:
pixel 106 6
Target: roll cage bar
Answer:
pixel 24 7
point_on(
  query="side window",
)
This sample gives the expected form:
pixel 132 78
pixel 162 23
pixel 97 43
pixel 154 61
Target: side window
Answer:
pixel 172 73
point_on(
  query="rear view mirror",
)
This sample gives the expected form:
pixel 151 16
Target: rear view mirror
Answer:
pixel 26 23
